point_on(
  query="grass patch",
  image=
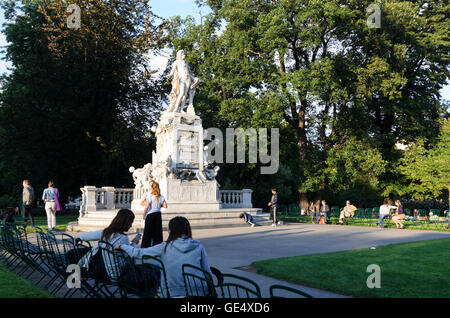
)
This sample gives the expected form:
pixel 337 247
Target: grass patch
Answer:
pixel 372 222
pixel 41 221
pixel 14 286
pixel 418 269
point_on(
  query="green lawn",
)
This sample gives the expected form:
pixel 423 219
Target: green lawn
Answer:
pixel 41 221
pixel 419 269
pixel 14 286
pixel 372 222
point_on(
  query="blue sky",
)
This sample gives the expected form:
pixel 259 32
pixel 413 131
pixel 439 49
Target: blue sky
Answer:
pixel 166 9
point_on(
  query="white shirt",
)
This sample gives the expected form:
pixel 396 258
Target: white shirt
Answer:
pixel 154 205
pixel 384 209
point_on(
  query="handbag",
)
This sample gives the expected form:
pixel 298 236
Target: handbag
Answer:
pixel 58 206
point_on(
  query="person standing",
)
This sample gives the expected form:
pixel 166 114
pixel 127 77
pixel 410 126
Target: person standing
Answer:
pixel 153 233
pixel 51 200
pixel 384 212
pixel 399 216
pixel 312 212
pixel 324 209
pixel 27 200
pixel 273 206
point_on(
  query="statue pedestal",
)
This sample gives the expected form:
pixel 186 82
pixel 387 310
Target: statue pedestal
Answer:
pixel 190 195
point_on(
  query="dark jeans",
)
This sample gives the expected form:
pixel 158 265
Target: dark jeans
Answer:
pixel 29 213
pixel 318 215
pixel 153 234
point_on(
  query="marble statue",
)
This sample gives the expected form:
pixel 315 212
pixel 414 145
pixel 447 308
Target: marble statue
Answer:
pixel 183 86
pixel 141 176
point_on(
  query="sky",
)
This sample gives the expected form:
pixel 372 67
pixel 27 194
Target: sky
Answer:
pixel 165 9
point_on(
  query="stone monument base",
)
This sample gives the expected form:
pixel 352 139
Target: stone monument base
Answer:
pixel 198 219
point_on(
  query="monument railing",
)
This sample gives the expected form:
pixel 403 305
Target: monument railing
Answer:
pixel 105 198
pixel 236 198
pixel 110 198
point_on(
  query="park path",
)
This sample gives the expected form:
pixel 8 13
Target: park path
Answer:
pixel 232 250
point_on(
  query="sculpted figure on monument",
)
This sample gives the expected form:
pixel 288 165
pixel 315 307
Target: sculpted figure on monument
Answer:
pixel 183 85
pixel 141 176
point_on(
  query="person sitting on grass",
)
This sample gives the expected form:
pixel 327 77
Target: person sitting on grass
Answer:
pixel 347 212
pixel 179 249
pixel 399 216
pixel 247 218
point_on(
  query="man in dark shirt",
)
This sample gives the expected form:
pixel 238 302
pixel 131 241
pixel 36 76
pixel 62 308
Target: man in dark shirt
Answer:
pixel 27 200
pixel 273 206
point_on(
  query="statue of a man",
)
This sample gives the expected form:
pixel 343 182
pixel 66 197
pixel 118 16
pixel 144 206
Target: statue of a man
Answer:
pixel 183 85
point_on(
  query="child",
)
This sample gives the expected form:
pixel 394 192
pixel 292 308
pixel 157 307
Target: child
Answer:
pixel 247 218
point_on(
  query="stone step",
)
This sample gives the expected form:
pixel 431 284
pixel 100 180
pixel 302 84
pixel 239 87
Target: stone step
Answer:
pixel 138 227
pixel 109 214
pixel 209 219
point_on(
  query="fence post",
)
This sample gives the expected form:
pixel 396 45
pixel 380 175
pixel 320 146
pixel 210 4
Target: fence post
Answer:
pixel 110 203
pixel 247 198
pixel 90 198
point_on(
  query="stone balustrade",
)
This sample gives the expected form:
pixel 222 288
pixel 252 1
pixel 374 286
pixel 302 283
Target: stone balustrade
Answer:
pixel 105 198
pixel 110 198
pixel 236 198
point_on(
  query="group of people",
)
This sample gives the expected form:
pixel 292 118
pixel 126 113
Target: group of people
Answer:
pixel 179 248
pixel 385 209
pixel 50 196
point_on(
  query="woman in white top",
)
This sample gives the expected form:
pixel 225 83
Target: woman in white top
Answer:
pixel 113 234
pixel 153 234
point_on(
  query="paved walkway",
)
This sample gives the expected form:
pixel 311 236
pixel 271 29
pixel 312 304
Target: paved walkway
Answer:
pixel 231 249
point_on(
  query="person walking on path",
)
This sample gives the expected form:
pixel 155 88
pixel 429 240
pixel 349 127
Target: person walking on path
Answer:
pixel 51 200
pixel 384 212
pixel 153 233
pixel 399 216
pixel 274 206
pixel 179 249
pixel 27 200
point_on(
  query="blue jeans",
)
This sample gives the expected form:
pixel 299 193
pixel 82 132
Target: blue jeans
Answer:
pixel 382 217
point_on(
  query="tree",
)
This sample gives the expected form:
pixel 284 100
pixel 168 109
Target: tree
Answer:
pixel 427 168
pixel 78 102
pixel 318 67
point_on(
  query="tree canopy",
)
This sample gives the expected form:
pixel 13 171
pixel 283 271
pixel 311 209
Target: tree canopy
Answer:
pixel 78 103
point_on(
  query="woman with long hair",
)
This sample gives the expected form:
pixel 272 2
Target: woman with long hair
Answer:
pixel 179 249
pixel 50 197
pixel 113 234
pixel 153 233
pixel 399 215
